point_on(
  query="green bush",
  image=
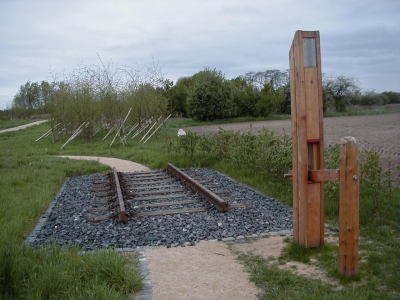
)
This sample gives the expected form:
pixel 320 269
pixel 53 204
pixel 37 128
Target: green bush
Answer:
pixel 212 97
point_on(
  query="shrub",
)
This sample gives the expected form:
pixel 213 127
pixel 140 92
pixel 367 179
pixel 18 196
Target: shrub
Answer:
pixel 212 97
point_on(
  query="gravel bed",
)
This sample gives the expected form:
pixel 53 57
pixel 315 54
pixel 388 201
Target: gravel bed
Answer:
pixel 65 222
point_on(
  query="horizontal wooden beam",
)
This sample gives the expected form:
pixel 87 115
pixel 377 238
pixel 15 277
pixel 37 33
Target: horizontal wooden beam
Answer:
pixel 319 175
pixel 324 175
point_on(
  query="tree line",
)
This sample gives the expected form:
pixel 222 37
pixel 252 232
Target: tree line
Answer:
pixel 208 95
pixel 105 92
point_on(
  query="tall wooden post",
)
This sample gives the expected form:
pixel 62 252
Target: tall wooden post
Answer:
pixel 349 207
pixel 307 138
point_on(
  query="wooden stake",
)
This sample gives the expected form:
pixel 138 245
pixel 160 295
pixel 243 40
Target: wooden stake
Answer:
pixel 75 134
pixel 144 126
pixel 121 127
pixel 156 129
pixel 47 132
pixel 150 129
pixel 349 207
pixel 111 130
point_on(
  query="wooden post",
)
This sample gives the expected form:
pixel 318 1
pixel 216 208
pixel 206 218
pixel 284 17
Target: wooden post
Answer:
pixel 307 138
pixel 349 207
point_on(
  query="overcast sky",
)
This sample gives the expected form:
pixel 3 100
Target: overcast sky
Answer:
pixel 359 39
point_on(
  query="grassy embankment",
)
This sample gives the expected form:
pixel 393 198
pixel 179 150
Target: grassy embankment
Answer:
pixel 30 175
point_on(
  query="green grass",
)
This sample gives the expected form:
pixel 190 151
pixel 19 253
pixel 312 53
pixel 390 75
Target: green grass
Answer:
pixel 276 283
pixel 187 122
pixel 377 278
pixel 61 273
pixel 359 110
pixel 31 174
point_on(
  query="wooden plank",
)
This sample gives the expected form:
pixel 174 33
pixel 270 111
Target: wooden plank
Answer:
pixel 302 147
pixel 293 93
pixel 312 237
pixel 167 191
pixel 149 184
pixel 324 175
pixel 175 196
pixel 139 188
pixel 349 207
pixel 311 96
pixel 156 177
pixel 171 212
pixel 144 174
pixel 162 204
pixel 321 134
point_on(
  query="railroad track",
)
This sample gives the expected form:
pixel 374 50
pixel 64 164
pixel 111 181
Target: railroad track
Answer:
pixel 163 192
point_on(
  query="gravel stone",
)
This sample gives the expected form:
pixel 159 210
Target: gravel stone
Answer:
pixel 228 239
pixel 64 223
pixel 284 232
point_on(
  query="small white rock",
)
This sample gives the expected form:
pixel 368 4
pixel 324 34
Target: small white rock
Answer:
pixel 181 132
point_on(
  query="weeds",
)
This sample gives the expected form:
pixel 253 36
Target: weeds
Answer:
pixel 30 176
pixel 65 274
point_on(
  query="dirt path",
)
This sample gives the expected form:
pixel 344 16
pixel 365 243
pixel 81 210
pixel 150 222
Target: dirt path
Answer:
pixel 22 126
pixel 207 271
pixel 120 164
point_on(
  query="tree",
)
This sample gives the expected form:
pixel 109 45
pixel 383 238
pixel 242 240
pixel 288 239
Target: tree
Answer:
pixel 178 97
pixel 268 87
pixel 246 97
pixel 45 93
pixel 212 96
pixel 340 91
pixel 393 97
pixel 28 96
pixel 270 100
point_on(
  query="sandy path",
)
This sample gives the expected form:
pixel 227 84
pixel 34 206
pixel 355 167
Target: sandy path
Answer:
pixel 22 126
pixel 120 164
pixel 207 271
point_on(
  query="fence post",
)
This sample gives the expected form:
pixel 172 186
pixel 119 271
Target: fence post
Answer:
pixel 349 207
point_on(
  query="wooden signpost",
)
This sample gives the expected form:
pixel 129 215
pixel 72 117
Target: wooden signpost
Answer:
pixel 308 172
pixel 307 138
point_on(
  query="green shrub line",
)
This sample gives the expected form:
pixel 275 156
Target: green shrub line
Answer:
pixel 31 174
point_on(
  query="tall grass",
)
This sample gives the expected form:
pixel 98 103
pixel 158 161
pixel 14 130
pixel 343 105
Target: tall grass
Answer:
pixel 61 273
pixel 29 178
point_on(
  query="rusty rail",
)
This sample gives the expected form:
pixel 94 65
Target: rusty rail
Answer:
pixel 152 189
pixel 211 197
pixel 120 199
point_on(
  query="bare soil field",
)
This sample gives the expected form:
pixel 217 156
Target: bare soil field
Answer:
pixel 373 132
